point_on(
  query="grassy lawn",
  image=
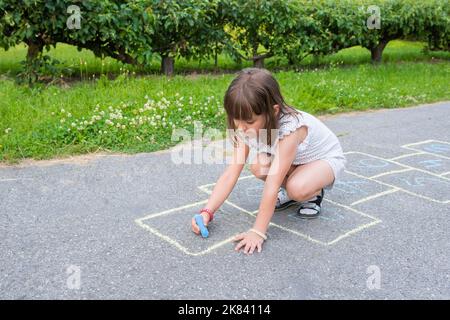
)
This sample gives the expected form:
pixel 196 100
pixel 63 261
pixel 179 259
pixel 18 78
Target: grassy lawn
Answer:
pixel 138 113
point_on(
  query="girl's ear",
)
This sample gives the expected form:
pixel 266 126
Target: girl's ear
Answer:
pixel 276 109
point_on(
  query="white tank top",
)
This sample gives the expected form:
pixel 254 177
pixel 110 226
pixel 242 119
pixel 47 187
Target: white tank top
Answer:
pixel 320 142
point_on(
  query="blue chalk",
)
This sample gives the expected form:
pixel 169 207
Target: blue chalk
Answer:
pixel 203 229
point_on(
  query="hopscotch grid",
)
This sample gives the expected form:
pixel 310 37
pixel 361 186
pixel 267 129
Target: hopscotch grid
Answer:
pixel 340 237
pixel 375 221
pixel 390 172
pixel 425 141
pixel 399 188
pixel 434 154
pixel 204 186
pixel 399 164
pixel 374 196
pixel 177 244
pixel 406 155
pixel 408 146
pixel 414 143
pixel 15 179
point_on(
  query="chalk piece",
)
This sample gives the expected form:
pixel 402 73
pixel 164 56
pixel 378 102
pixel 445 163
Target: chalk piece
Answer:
pixel 203 229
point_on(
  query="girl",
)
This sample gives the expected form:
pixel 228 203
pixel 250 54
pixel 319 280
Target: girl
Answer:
pixel 299 161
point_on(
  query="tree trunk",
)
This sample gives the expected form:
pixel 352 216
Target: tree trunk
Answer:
pixel 34 49
pixel 167 65
pixel 216 53
pixel 258 63
pixel 377 51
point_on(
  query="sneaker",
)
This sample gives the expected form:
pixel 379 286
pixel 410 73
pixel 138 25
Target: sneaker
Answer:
pixel 283 200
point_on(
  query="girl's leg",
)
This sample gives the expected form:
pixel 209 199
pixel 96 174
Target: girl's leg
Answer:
pixel 261 167
pixel 308 180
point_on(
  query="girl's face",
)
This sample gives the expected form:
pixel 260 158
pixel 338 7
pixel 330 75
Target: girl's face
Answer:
pixel 251 128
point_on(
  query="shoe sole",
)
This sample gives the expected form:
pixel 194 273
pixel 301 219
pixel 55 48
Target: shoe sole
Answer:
pixel 308 216
pixel 286 205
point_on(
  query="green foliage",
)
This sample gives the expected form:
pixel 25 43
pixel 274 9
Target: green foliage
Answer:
pixel 114 28
pixel 132 31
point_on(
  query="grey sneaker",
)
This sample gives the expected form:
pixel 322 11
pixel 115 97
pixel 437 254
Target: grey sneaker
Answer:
pixel 283 200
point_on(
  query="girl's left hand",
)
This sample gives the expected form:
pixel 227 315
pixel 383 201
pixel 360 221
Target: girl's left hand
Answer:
pixel 250 240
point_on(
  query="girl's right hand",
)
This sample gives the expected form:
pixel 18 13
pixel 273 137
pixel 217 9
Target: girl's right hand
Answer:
pixel 195 227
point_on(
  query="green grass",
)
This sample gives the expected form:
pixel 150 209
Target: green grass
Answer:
pixel 138 114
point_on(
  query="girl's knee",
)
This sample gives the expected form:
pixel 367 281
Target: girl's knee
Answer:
pixel 297 192
pixel 259 171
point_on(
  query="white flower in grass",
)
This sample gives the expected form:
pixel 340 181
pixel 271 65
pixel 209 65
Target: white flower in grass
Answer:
pixel 105 132
pixel 8 130
pixel 109 122
pixel 62 120
pixel 123 127
pixel 73 124
pixel 69 115
pixel 62 110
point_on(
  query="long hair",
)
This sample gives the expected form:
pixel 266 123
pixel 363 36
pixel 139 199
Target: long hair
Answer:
pixel 255 91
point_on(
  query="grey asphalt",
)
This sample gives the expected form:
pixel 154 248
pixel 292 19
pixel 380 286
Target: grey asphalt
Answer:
pixel 113 227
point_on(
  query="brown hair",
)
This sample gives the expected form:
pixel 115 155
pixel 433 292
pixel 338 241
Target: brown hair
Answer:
pixel 255 91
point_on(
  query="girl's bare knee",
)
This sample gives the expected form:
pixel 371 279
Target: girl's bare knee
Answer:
pixel 298 191
pixel 259 171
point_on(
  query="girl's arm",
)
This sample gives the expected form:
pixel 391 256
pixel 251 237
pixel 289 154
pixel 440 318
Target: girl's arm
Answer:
pixel 284 156
pixel 225 183
pixel 229 177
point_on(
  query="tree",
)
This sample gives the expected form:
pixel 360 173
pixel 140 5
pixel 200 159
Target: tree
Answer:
pixel 119 29
pixel 185 28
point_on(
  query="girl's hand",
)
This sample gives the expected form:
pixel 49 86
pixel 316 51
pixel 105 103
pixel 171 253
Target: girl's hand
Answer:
pixel 195 227
pixel 250 241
